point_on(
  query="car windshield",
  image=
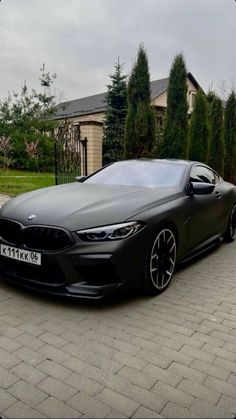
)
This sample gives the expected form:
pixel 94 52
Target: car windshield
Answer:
pixel 149 174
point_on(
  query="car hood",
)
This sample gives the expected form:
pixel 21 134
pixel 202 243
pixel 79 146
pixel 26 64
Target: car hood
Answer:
pixel 83 205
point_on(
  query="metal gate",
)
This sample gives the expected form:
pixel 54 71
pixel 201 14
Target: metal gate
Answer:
pixel 70 153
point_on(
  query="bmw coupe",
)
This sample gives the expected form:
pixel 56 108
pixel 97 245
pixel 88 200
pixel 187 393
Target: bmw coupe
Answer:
pixel 125 226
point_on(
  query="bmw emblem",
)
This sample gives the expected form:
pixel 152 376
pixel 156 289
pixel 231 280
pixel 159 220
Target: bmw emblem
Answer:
pixel 31 217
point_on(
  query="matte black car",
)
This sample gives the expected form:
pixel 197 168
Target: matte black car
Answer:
pixel 124 226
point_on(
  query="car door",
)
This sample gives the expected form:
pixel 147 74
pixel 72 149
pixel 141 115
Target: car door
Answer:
pixel 204 211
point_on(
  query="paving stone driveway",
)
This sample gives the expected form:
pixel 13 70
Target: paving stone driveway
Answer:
pixel 169 356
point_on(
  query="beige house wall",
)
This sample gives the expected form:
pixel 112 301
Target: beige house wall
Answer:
pixel 161 101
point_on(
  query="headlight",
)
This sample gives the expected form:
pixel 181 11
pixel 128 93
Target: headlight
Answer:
pixel 111 232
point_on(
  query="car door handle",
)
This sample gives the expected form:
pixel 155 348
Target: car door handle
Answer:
pixel 218 195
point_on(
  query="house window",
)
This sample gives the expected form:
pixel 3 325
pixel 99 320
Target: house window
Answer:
pixel 159 121
pixel 192 98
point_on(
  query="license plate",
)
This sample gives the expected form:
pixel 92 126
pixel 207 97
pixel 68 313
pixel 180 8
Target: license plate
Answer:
pixel 22 255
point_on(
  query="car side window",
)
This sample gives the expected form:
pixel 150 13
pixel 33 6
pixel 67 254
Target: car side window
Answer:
pixel 203 174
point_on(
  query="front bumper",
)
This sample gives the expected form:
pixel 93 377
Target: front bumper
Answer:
pixel 85 270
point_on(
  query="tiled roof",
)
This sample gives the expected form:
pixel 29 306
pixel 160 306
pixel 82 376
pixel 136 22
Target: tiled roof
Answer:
pixel 96 103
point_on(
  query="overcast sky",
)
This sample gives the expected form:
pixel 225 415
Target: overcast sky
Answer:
pixel 80 40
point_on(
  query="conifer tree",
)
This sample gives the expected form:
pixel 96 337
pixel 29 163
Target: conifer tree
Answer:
pixel 198 130
pixel 216 137
pixel 176 126
pixel 230 138
pixel 113 131
pixel 140 128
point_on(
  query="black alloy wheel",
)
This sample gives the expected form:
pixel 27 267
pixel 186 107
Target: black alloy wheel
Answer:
pixel 230 234
pixel 161 262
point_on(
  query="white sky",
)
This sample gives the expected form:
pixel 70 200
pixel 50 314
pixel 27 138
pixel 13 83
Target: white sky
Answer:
pixel 80 40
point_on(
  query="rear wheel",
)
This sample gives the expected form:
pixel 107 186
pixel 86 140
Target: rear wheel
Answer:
pixel 160 263
pixel 230 234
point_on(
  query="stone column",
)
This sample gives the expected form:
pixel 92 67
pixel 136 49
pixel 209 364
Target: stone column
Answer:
pixel 92 130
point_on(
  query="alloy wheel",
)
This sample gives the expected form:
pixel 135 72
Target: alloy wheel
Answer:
pixel 163 258
pixel 233 223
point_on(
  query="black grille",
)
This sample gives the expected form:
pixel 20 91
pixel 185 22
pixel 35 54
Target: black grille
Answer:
pixel 34 237
pixel 11 231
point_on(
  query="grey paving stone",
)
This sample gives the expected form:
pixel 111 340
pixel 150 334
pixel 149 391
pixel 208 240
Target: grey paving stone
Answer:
pixel 54 369
pixel 52 353
pixel 97 359
pixel 6 400
pixel 89 406
pixel 11 320
pixel 209 339
pixel 228 403
pixel 7 379
pixel 83 383
pixel 177 356
pixel 207 410
pixel 53 339
pixel 21 410
pixel 224 363
pixel 232 379
pixel 197 354
pixel 175 395
pixel 220 352
pixel 114 414
pixel 28 373
pixel 29 341
pixel 56 329
pixel 166 376
pixel 29 356
pixel 143 412
pixel 30 329
pixel 173 410
pixel 130 361
pixel 186 372
pixel 8 344
pixel 117 401
pixel 139 378
pixel 221 386
pixel 54 408
pixel 7 360
pixel 27 393
pixel 57 389
pixel 210 369
pixel 156 359
pixel 200 391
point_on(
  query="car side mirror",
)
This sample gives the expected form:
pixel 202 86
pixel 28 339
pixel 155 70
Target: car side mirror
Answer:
pixel 200 188
pixel 80 179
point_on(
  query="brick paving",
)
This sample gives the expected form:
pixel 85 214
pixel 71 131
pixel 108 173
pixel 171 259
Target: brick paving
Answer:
pixel 168 356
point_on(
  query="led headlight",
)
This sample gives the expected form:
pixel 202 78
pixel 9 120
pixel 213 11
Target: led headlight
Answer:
pixel 110 232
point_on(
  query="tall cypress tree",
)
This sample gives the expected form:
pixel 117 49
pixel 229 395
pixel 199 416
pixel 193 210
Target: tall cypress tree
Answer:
pixel 198 130
pixel 230 138
pixel 216 131
pixel 114 124
pixel 176 126
pixel 140 128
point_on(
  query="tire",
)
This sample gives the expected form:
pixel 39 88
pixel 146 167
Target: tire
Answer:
pixel 230 233
pixel 160 262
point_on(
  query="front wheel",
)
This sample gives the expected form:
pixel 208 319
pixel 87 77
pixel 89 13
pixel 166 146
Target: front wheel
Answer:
pixel 160 263
pixel 230 234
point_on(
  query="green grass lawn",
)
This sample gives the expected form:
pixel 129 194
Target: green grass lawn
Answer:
pixel 15 182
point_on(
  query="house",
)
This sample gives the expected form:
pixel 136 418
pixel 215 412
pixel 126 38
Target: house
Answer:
pixel 89 113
